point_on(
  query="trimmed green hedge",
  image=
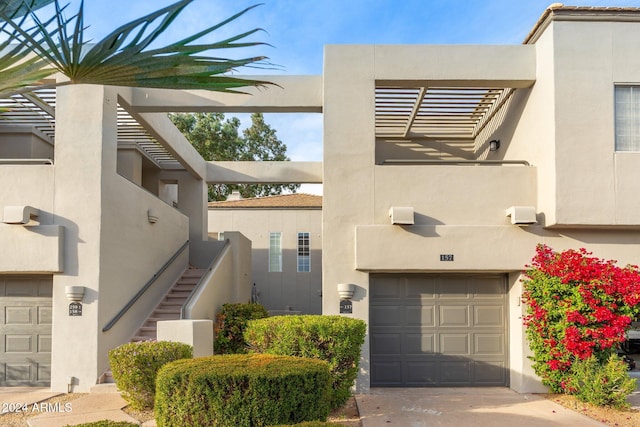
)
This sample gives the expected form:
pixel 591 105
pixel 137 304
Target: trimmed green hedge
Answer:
pixel 230 324
pixel 135 365
pixel 242 390
pixel 334 339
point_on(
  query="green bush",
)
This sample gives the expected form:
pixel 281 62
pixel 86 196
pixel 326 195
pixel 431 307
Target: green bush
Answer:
pixel 601 384
pixel 105 423
pixel 135 366
pixel 334 339
pixel 230 324
pixel 242 390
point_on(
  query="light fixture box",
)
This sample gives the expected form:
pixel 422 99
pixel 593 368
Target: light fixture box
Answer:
pixel 522 215
pixel 401 215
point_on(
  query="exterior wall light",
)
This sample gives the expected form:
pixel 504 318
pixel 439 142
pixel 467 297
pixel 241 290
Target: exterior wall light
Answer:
pixel 494 144
pixel 152 216
pixel 401 215
pixel 74 293
pixel 522 215
pixel 346 290
pixel 19 214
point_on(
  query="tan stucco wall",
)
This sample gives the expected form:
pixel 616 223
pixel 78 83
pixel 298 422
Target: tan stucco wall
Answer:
pixel 278 291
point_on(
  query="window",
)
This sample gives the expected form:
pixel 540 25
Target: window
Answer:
pixel 304 258
pixel 627 112
pixel 275 252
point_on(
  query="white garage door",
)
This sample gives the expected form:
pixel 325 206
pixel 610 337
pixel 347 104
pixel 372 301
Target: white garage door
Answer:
pixel 438 330
pixel 25 331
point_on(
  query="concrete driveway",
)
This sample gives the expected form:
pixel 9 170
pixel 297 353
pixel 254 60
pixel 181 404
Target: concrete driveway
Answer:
pixel 491 407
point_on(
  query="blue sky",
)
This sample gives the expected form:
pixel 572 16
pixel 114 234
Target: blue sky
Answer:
pixel 297 30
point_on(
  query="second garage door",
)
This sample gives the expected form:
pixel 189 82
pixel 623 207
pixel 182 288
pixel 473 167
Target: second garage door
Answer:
pixel 25 331
pixel 438 330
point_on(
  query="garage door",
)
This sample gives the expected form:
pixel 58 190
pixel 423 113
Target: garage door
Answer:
pixel 438 330
pixel 25 331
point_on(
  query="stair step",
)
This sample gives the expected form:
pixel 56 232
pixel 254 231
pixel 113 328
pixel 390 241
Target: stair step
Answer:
pixel 178 293
pixel 183 287
pixel 192 272
pixel 170 303
pixel 140 338
pixel 148 329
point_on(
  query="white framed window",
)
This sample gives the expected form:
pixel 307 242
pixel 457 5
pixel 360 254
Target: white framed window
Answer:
pixel 627 117
pixel 304 254
pixel 275 252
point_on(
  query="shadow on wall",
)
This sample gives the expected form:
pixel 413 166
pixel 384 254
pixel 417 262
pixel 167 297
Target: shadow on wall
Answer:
pixel 288 289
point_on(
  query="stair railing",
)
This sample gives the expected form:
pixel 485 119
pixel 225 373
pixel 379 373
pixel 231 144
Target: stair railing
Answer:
pixel 147 285
pixel 212 265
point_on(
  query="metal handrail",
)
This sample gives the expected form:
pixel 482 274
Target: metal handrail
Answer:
pixel 144 288
pixel 214 262
pixel 453 162
pixel 26 161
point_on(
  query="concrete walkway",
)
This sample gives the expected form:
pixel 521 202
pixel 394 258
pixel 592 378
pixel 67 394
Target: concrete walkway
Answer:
pixel 494 407
pixel 405 407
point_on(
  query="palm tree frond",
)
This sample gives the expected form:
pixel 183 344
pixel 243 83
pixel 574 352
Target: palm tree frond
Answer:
pixel 18 8
pixel 124 56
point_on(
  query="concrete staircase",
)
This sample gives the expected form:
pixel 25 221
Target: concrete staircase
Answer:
pixel 169 308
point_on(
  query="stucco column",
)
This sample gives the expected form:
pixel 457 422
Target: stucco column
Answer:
pixel 192 201
pixel 348 162
pixel 85 151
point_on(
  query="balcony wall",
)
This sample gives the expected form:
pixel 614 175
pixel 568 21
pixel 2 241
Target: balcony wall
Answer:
pixel 454 195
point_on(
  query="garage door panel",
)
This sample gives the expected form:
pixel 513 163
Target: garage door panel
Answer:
pixel 454 316
pixel 388 344
pixel 448 330
pixel 18 315
pixel 421 288
pixel 387 316
pixel 453 287
pixel 389 289
pixel 388 373
pixel 490 373
pixel 457 344
pixel 488 315
pixel 18 372
pixel 18 343
pixel 44 343
pixel 421 373
pixel 45 315
pixel 25 330
pixel 43 373
pixel 455 372
pixel 487 288
pixel 488 344
pixel 420 316
pixel 420 344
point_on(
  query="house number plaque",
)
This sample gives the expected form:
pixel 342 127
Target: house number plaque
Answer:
pixel 446 257
pixel 75 309
pixel 346 307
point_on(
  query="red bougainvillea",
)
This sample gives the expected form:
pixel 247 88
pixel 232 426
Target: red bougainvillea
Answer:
pixel 578 306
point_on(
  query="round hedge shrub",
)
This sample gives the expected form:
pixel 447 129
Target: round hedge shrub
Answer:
pixel 239 390
pixel 334 339
pixel 135 366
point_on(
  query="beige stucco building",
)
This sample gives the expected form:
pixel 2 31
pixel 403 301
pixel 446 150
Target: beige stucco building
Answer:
pixel 443 167
pixel 286 247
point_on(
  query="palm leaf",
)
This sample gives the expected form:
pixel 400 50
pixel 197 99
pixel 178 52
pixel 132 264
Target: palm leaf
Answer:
pixel 18 8
pixel 19 69
pixel 124 57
